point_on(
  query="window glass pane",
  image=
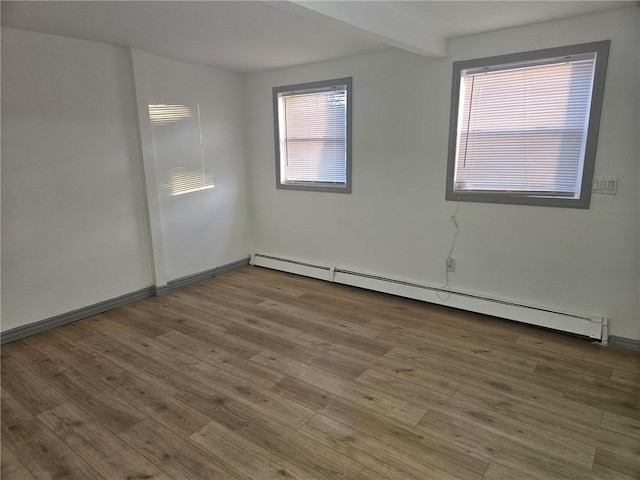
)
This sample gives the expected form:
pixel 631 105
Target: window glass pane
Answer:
pixel 313 135
pixel 524 126
pixel 524 129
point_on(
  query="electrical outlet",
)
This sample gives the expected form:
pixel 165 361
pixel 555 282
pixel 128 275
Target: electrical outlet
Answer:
pixel 451 264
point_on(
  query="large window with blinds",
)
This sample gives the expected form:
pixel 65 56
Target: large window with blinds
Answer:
pixel 524 127
pixel 313 136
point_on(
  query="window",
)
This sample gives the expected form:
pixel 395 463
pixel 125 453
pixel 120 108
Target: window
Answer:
pixel 313 136
pixel 524 127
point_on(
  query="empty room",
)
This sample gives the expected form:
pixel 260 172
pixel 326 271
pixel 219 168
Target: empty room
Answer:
pixel 357 240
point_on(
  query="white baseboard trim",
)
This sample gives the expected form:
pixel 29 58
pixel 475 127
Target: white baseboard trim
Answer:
pixel 100 307
pixel 591 326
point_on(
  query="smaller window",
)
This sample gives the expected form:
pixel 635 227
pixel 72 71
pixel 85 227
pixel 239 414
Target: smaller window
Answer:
pixel 313 136
pixel 524 127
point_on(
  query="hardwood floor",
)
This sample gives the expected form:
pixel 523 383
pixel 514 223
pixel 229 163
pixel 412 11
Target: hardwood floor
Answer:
pixel 258 374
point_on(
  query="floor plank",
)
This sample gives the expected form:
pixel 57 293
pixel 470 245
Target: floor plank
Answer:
pixel 106 453
pixel 8 461
pixel 446 456
pixel 244 456
pixel 25 386
pixel 304 452
pixel 37 447
pixel 605 395
pixel 616 463
pixel 21 474
pixel 501 447
pixel 180 459
pixel 498 471
pixel 80 387
pixel 258 374
pixel 621 424
pixel 374 452
pixel 381 402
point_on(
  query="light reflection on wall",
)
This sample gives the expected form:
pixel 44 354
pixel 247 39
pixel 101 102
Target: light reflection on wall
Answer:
pixel 162 113
pixel 179 140
pixel 183 181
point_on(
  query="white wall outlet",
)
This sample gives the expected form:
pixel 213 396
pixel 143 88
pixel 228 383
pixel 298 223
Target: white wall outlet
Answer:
pixel 451 264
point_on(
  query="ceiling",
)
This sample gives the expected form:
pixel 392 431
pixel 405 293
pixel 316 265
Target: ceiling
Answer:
pixel 247 36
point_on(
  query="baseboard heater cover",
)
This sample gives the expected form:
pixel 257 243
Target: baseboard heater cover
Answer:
pixel 592 326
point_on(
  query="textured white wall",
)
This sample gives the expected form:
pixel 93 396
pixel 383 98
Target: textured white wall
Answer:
pixel 208 228
pixel 73 212
pixel 396 221
pixel 73 224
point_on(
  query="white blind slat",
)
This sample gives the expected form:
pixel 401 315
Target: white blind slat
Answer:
pixel 313 137
pixel 524 129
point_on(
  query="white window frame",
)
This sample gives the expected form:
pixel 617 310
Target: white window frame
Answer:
pixel 583 197
pixel 280 153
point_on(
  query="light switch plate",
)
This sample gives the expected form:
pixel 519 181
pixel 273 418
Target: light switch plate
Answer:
pixel 605 185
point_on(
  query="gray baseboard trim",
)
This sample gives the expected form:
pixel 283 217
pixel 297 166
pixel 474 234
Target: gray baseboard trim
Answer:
pixel 198 277
pixel 162 290
pixel 624 342
pixel 190 279
pixel 58 320
pixel 230 267
pixel 52 322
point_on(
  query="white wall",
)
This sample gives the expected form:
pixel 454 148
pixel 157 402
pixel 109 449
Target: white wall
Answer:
pixel 207 228
pixel 74 208
pixel 396 221
pixel 74 230
pixel 73 201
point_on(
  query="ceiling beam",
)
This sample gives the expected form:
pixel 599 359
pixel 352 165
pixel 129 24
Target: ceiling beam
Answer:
pixel 376 20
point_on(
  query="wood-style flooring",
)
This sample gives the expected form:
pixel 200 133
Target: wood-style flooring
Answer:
pixel 258 374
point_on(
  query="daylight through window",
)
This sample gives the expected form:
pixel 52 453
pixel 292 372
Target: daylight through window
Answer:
pixel 312 123
pixel 525 126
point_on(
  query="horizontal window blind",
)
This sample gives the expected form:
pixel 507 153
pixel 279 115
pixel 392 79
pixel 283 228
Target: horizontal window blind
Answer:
pixel 522 128
pixel 313 136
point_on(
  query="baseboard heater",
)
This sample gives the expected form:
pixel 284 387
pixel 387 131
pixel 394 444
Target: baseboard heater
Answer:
pixel 595 327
